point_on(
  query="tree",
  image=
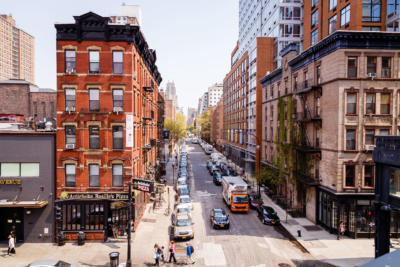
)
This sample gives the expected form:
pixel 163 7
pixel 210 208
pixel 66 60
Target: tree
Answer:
pixel 177 128
pixel 205 123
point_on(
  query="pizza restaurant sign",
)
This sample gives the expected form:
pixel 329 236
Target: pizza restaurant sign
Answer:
pixel 109 196
pixel 10 181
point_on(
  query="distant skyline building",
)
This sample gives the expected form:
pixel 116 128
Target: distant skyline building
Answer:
pixel 214 94
pixel 203 103
pixel 191 115
pixel 17 51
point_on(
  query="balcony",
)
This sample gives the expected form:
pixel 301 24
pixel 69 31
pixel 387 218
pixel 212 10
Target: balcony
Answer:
pixel 145 118
pixel 307 116
pixel 306 86
pixel 148 89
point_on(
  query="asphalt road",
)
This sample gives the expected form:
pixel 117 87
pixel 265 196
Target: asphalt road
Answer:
pixel 248 242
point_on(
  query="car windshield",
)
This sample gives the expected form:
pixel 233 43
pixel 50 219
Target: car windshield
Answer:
pixel 184 191
pixel 182 182
pixel 183 210
pixel 240 199
pixel 62 264
pixel 269 211
pixel 185 200
pixel 219 214
pixel 218 175
pixel 182 222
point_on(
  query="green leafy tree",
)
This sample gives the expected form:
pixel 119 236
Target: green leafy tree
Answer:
pixel 177 128
pixel 205 123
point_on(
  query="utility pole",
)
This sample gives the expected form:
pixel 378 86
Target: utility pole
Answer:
pixel 128 261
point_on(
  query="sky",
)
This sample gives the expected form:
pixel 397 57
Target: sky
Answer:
pixel 193 38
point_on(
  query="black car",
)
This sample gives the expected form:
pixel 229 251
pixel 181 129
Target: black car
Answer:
pixel 209 165
pixel 213 169
pixel 268 215
pixel 217 178
pixel 219 219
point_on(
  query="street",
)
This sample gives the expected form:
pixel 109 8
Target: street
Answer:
pixel 248 242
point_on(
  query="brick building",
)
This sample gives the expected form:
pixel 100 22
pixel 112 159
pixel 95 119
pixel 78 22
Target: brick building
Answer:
pixel 107 123
pixel 216 124
pixel 321 113
pixel 322 18
pixel 22 97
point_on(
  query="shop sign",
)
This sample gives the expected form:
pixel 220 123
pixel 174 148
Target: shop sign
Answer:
pixel 143 185
pixel 109 196
pixel 10 181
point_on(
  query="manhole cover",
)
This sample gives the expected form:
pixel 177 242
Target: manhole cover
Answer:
pixel 283 265
pixel 312 227
pixel 149 220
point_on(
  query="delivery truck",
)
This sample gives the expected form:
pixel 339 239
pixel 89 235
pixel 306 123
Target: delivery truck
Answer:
pixel 234 192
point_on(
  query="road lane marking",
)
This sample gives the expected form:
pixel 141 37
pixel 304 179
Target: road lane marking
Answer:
pixel 213 255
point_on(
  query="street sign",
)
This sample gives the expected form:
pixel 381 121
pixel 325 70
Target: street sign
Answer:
pixel 166 134
pixel 143 185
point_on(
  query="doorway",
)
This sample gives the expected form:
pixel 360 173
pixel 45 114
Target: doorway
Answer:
pixel 12 219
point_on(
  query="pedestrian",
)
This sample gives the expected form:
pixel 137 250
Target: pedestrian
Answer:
pixel 172 251
pixel 162 254
pixel 341 230
pixel 11 245
pixel 189 253
pixel 156 255
pixel 154 205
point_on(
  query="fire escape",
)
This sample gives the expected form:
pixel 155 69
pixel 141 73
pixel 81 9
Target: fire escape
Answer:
pixel 307 149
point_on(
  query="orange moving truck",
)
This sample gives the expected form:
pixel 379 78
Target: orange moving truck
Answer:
pixel 234 192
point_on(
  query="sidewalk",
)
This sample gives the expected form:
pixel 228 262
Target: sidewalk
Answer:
pixel 320 243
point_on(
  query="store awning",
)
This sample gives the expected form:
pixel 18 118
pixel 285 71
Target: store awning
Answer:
pixel 24 204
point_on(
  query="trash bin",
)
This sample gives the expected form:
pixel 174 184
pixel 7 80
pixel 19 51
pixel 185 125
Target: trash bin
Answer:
pixel 81 238
pixel 61 239
pixel 114 259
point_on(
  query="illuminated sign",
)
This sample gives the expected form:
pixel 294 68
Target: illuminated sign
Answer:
pixel 143 185
pixel 10 181
pixel 110 196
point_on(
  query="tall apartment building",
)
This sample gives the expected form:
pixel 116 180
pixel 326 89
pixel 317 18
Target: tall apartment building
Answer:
pixel 265 28
pixel 321 113
pixel 214 94
pixel 322 18
pixel 107 123
pixel 392 15
pixel 203 103
pixel 17 52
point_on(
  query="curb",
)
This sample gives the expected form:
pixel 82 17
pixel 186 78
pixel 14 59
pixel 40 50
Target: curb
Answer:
pixel 293 239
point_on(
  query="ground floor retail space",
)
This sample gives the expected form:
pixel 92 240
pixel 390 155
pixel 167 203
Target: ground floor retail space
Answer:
pixel 99 215
pixel 236 154
pixel 356 211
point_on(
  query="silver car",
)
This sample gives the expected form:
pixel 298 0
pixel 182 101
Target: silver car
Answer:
pixel 183 227
pixel 51 263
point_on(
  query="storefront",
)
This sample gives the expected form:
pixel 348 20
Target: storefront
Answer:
pixel 354 209
pixel 27 178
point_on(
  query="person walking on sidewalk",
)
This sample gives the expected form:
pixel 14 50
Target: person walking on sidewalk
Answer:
pixel 157 255
pixel 341 230
pixel 189 253
pixel 172 251
pixel 11 245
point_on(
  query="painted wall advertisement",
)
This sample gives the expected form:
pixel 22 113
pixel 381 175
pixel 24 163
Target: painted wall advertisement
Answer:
pixel 129 130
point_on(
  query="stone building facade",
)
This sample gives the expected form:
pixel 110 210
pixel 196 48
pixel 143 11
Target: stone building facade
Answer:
pixel 324 108
pixel 107 123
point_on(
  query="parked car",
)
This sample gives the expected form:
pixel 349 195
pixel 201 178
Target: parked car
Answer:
pixel 214 169
pixel 195 141
pixel 255 201
pixel 217 178
pixel 268 215
pixel 182 190
pixel 51 263
pixel 181 181
pixel 208 149
pixel 185 200
pixel 183 228
pixel 183 209
pixel 219 219
pixel 209 165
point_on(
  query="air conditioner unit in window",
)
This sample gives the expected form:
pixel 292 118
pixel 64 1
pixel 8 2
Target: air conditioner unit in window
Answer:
pixel 70 109
pixel 372 75
pixel 369 147
pixel 118 109
pixel 69 146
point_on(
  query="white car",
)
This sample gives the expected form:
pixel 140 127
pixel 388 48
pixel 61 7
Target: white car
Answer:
pixel 183 228
pixel 185 199
pixel 51 263
pixel 183 209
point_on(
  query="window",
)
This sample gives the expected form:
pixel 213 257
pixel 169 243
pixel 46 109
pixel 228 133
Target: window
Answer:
pixel 70 175
pixel 118 99
pixel 370 103
pixel 318 74
pixel 371 10
pixel 332 4
pixel 350 139
pixel 19 169
pixel 369 176
pixel 314 3
pixel 345 16
pixel 118 62
pixel 371 64
pixel 371 28
pixel 70 137
pixel 29 169
pixel 272 91
pixel 10 170
pixel 386 67
pixel 352 67
pixel 69 99
pixel 384 132
pixel 117 175
pixel 392 7
pixel 385 103
pixel 118 137
pixel 318 106
pixel 369 136
pixel 94 99
pixel 94 137
pixel 70 61
pixel 314 37
pixel 351 103
pixel 94 61
pixel 332 24
pixel 314 19
pixel 94 175
pixel 350 175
